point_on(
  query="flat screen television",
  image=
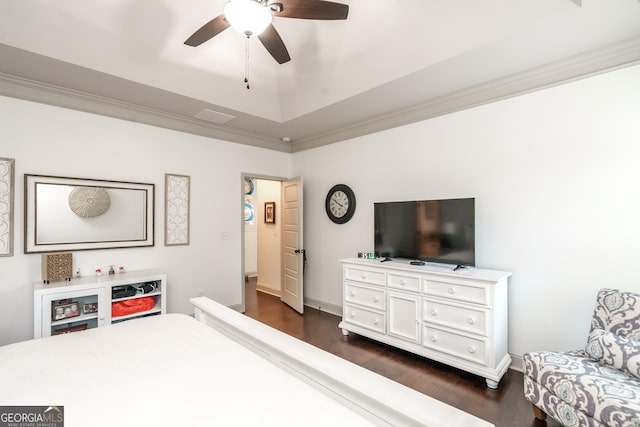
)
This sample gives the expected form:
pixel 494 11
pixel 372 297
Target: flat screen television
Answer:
pixel 441 231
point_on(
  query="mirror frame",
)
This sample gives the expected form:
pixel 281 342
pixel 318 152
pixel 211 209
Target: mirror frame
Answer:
pixel 30 206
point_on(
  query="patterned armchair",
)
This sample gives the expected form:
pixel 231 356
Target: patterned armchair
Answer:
pixel 597 386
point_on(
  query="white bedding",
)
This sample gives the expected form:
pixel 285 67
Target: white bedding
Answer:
pixel 165 370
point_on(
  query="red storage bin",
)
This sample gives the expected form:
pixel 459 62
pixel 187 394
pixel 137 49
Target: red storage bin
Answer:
pixel 131 306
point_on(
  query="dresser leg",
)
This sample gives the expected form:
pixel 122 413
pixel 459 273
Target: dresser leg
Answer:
pixel 492 384
pixel 345 332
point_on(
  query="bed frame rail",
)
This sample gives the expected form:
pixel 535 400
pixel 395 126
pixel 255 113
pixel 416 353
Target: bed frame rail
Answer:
pixel 380 399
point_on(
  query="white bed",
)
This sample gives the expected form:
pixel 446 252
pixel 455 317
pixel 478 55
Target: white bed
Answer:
pixel 172 370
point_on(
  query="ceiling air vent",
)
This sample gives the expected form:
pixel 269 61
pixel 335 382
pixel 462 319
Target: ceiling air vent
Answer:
pixel 214 117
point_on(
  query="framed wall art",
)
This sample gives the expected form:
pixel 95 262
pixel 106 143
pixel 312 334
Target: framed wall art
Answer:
pixel 7 175
pixel 177 189
pixel 270 212
pixel 73 214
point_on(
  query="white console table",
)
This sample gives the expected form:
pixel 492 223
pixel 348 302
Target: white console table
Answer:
pixel 455 317
pixel 91 300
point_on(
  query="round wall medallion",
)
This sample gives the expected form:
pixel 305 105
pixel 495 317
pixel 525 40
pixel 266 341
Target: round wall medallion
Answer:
pixel 89 202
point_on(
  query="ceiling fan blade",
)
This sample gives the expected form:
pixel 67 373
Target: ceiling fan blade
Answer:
pixel 310 9
pixel 272 41
pixel 208 31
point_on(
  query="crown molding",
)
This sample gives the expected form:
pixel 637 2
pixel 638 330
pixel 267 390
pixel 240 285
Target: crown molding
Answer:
pixel 44 93
pixel 577 67
pixel 581 66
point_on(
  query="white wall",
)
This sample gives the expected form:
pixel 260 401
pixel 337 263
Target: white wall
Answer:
pixel 269 237
pixel 555 174
pixel 54 141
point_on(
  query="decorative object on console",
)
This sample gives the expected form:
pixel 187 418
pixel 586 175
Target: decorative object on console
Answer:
pixel 74 328
pixel 340 203
pixel 177 190
pixel 91 307
pixel 7 174
pixel 50 226
pixel 146 288
pixel 270 212
pixel 604 376
pixel 367 255
pixel 123 291
pixel 131 306
pixel 89 202
pixel 65 311
pixel 58 266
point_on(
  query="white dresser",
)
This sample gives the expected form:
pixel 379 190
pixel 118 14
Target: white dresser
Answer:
pixel 455 317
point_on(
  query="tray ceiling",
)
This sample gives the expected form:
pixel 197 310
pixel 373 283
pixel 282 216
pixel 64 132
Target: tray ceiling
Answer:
pixel 389 63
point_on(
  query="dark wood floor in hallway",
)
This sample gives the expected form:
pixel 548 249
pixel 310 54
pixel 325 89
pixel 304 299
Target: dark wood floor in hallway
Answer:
pixel 504 407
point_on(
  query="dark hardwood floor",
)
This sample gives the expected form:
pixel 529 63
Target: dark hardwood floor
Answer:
pixel 504 407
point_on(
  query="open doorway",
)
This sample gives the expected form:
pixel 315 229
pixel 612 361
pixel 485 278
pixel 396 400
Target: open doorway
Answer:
pixel 262 235
pixel 272 253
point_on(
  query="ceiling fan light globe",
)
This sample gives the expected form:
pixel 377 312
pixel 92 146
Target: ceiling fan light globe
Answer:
pixel 248 17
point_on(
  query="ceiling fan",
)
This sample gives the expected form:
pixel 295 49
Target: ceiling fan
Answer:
pixel 252 18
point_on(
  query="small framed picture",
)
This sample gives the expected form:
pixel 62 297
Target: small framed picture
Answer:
pixel 65 311
pixel 91 307
pixel 270 212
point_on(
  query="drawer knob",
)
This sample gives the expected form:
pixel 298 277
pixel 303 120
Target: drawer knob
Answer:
pixel 351 315
pixel 352 294
pixel 375 321
pixel 402 282
pixel 434 338
pixel 471 321
pixel 434 312
pixel 451 291
pixel 375 299
pixel 471 349
pixel 364 276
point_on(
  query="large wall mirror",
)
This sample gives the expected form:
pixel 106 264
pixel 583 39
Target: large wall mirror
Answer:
pixel 70 214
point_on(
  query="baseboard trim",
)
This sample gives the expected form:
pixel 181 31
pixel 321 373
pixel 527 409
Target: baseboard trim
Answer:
pixel 267 290
pixel 516 363
pixel 336 310
pixel 236 307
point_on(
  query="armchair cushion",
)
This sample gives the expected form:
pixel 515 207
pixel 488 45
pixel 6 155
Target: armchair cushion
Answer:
pixel 612 350
pixel 579 392
pixel 599 386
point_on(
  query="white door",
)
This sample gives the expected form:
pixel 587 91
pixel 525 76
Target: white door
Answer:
pixel 292 249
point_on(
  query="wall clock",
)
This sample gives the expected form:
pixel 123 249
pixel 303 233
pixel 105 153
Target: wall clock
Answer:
pixel 340 203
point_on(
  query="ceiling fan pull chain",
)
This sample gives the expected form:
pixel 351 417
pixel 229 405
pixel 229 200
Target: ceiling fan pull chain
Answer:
pixel 246 65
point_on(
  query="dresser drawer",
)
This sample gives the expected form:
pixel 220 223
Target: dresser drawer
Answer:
pixel 362 295
pixel 369 319
pixel 373 277
pixel 456 291
pixel 455 316
pixel 406 283
pixel 456 345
